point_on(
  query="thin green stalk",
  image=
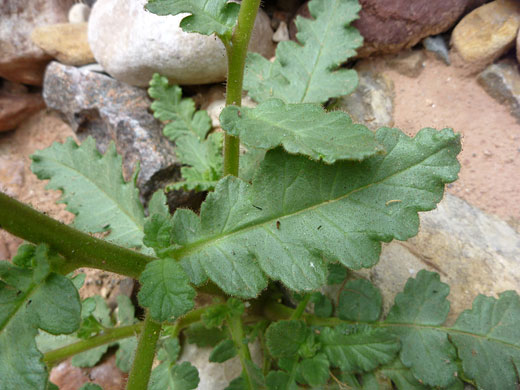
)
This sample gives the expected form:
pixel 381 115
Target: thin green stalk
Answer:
pixel 237 333
pixel 297 313
pixel 52 358
pixel 80 249
pixel 142 367
pixel 236 53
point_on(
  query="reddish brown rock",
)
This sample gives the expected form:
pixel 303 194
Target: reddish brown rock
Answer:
pixel 15 106
pixel 389 26
pixel 21 60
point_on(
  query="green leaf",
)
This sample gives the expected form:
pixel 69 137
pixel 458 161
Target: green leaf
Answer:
pixel 207 17
pixel 249 162
pixel 215 316
pixel 170 350
pixel 91 386
pixel 165 290
pixel 201 336
pixel 298 212
pixel 315 371
pixel 337 273
pixel 401 376
pixel 168 105
pixel 89 358
pixel 308 71
pixel 32 298
pixel 487 338
pixel 302 129
pixel 427 351
pixel 181 376
pixel 93 189
pixel 284 338
pixel 322 305
pixel 358 350
pixel 205 161
pixel 223 351
pixel 127 347
pixel 360 301
pixel 279 380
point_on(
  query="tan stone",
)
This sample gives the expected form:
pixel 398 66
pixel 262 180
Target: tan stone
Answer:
pixel 67 42
pixel 14 108
pixel 486 33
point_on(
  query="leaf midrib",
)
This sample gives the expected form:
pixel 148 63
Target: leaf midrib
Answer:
pixel 188 249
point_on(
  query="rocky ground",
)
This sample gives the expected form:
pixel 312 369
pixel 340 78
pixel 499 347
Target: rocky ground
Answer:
pixel 466 78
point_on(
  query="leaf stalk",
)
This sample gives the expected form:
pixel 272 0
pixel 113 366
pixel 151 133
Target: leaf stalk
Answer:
pixel 110 335
pixel 236 54
pixel 142 367
pixel 80 249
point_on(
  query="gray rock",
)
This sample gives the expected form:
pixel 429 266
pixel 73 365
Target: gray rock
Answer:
pixel 21 60
pixel 439 47
pixel 99 106
pixel 372 103
pixel 502 82
pixel 132 44
pixel 473 252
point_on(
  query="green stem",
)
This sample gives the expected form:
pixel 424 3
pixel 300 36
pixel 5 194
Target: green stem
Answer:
pixel 80 249
pixel 236 53
pixel 52 358
pixel 297 313
pixel 142 367
pixel 237 333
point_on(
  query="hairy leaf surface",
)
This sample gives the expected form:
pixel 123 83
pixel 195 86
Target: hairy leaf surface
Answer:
pixel 308 71
pixel 301 129
pixel 165 290
pixel 360 301
pixel 298 212
pixel 207 17
pixel 426 351
pixel 93 189
pixel 284 338
pixel 488 341
pixel 205 161
pixel 181 376
pixel 358 350
pixel 169 105
pixel 31 299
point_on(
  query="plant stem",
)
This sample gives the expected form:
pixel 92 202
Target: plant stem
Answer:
pixel 80 249
pixel 236 53
pixel 297 313
pixel 237 333
pixel 52 358
pixel 142 367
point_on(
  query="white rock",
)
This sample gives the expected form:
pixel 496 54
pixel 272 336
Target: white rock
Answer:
pixel 282 33
pixel 132 44
pixel 79 13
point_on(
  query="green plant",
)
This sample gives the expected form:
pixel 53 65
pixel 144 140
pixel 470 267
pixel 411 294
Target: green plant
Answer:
pixel 317 196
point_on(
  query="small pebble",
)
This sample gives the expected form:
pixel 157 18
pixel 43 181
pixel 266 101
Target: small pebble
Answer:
pixel 79 13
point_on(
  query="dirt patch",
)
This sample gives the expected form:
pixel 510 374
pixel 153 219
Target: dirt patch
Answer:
pixel 442 96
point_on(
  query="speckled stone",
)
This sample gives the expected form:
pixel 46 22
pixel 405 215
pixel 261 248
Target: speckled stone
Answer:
pixel 108 110
pixel 502 81
pixel 475 253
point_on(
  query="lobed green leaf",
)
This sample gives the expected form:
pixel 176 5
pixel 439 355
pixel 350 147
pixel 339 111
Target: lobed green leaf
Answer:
pixel 165 290
pixel 93 189
pixel 427 351
pixel 207 17
pixel 487 338
pixel 301 129
pixel 308 71
pixel 181 376
pixel 358 350
pixel 297 213
pixel 168 105
pixel 360 301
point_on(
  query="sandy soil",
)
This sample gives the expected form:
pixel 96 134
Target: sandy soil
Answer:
pixel 443 97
